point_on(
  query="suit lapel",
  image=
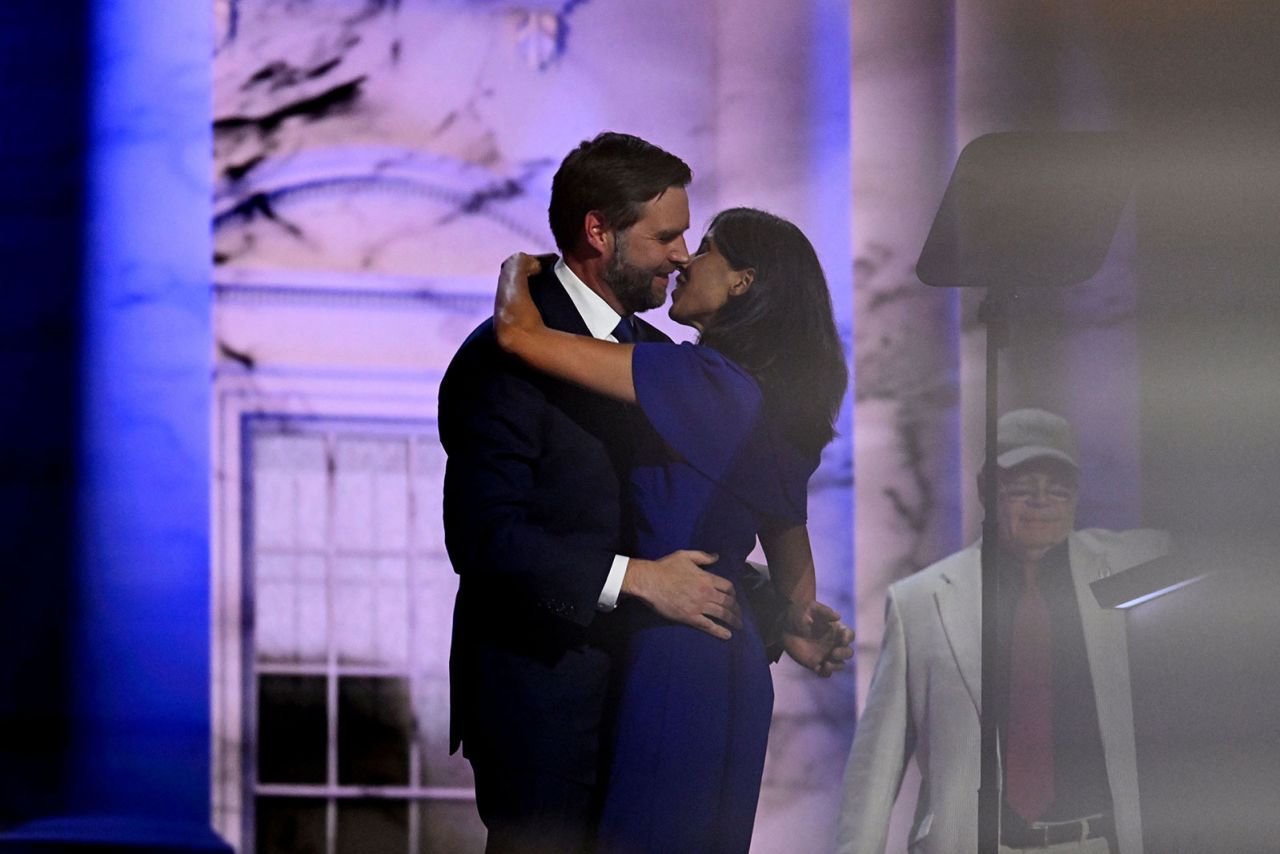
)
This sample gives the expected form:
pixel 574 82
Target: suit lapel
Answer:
pixel 553 301
pixel 612 421
pixel 959 603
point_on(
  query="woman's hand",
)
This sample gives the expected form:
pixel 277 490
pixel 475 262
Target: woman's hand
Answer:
pixel 600 366
pixel 514 312
pixel 815 638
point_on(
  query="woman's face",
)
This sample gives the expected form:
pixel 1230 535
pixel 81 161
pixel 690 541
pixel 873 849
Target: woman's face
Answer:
pixel 705 285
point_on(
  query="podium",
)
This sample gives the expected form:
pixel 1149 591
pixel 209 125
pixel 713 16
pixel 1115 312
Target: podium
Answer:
pixel 1203 638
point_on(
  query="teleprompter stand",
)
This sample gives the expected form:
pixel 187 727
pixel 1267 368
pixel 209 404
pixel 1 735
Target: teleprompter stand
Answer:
pixel 1022 210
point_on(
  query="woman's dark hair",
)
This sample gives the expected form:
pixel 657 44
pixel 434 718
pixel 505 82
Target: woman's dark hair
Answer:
pixel 615 173
pixel 781 329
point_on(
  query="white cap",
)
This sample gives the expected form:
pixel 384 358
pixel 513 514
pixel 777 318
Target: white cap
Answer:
pixel 1029 434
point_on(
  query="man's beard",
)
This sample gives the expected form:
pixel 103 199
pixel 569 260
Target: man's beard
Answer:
pixel 632 285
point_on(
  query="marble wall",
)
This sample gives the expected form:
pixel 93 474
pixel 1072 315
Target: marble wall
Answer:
pixel 905 346
pixel 419 139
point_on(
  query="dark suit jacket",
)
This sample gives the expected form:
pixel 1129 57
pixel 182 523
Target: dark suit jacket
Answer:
pixel 533 516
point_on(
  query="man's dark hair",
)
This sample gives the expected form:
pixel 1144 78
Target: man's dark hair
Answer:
pixel 615 174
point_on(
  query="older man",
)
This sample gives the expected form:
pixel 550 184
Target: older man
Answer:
pixel 1065 715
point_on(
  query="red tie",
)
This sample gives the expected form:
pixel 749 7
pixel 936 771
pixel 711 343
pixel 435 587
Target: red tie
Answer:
pixel 1029 745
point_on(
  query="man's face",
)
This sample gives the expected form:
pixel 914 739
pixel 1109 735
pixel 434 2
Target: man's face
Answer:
pixel 1036 506
pixel 646 254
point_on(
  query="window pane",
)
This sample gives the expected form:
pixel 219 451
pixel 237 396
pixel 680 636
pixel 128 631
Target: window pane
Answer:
pixel 391 500
pixel 292 737
pixel 288 489
pixel 391 624
pixel 273 499
pixel 353 613
pixel 438 767
pixel 290 617
pixel 289 826
pixel 276 621
pixel 450 827
pixel 313 622
pixel 436 589
pixel 428 475
pixel 350 569
pixel 370 493
pixel 375 725
pixel 373 827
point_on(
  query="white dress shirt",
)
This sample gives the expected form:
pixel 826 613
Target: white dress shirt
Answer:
pixel 601 320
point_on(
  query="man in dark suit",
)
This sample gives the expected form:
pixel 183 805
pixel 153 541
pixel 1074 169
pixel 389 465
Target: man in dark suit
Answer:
pixel 534 504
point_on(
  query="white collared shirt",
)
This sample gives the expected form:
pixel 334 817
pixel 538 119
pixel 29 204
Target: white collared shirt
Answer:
pixel 601 320
pixel 599 316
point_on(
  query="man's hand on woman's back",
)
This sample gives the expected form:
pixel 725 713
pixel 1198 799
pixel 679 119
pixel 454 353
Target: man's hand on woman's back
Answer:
pixel 678 588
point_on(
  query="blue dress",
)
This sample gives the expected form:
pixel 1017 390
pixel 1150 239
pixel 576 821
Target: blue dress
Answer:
pixel 693 711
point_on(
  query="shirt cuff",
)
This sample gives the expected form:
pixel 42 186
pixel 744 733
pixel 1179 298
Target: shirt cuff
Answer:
pixel 613 584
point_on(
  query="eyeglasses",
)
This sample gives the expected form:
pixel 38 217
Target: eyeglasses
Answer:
pixel 1056 493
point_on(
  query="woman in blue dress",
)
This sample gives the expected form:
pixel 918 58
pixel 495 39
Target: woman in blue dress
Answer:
pixel 738 422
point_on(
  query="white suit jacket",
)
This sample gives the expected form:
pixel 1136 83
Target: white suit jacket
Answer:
pixel 925 694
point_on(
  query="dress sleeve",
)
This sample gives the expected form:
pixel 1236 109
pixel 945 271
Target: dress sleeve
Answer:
pixel 710 412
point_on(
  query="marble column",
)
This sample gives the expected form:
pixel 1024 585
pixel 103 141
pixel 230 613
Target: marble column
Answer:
pixel 905 416
pixel 137 764
pixel 782 143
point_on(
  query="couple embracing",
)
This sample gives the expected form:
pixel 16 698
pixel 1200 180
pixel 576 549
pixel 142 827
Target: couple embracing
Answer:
pixel 604 487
